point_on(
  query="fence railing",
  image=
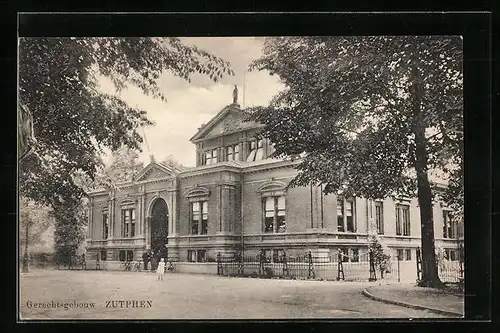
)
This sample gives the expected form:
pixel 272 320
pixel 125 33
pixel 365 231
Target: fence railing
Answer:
pixel 303 266
pixel 449 271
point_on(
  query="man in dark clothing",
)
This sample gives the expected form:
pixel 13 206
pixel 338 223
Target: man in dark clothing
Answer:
pixel 153 260
pixel 145 260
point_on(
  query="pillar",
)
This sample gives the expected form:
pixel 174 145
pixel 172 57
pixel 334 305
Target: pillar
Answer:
pixel 147 231
pixel 173 213
pixel 142 209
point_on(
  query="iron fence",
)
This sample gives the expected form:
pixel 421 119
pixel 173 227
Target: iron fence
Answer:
pixel 450 270
pixel 301 266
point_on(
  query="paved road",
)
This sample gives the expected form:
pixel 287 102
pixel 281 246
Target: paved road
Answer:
pixel 184 296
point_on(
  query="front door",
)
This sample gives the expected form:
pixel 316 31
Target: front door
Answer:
pixel 159 228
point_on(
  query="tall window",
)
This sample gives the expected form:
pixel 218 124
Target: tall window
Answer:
pixel 233 152
pixel 255 150
pixel 105 225
pixel 448 225
pixel 349 215
pixel 403 220
pixel 209 157
pixel 274 214
pixel 340 214
pixel 128 222
pixel 199 217
pixel 379 216
pixel 345 215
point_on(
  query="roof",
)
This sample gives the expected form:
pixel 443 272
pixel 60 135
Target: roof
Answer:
pixel 230 120
pixel 215 120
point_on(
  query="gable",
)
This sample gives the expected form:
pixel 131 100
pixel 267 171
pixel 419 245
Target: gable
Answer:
pixel 228 122
pixel 154 171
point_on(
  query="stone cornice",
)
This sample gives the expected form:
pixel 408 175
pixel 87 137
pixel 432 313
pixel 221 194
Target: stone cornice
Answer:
pixel 274 164
pixel 127 185
pixel 210 169
pixel 231 166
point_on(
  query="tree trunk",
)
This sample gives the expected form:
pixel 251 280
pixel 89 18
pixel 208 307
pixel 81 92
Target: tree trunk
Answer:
pixel 430 276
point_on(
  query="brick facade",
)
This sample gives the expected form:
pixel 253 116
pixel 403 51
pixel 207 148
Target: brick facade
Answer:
pixel 235 191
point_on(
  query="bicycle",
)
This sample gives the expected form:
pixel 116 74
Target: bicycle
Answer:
pixel 138 266
pixel 127 266
pixel 170 267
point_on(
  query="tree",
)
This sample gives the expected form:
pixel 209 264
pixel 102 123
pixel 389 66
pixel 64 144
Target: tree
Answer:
pixel 172 162
pixel 38 219
pixel 72 120
pixel 69 232
pixel 34 222
pixel 370 116
pixel 66 122
pixel 124 166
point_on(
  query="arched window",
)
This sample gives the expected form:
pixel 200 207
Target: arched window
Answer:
pixel 198 210
pixel 273 206
pixel 128 218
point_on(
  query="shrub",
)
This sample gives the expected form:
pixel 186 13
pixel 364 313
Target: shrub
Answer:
pixel 381 252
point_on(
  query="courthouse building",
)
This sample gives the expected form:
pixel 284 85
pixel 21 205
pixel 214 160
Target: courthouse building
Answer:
pixel 237 198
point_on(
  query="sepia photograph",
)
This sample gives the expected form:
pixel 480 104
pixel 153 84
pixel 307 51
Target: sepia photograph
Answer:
pixel 231 178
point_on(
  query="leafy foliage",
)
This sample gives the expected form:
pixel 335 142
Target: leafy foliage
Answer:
pixel 381 253
pixel 38 219
pixel 69 232
pixel 172 162
pixel 370 116
pixel 73 120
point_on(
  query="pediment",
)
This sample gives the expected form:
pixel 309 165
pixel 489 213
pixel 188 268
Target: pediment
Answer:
pixel 154 171
pixel 272 186
pixel 229 120
pixel 197 191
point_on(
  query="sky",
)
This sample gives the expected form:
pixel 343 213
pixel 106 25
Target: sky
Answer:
pixel 189 105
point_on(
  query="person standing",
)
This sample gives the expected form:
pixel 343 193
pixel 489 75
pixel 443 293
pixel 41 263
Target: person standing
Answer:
pixel 160 271
pixel 145 260
pixel 154 260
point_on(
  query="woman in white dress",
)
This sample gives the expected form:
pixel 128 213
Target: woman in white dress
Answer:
pixel 161 269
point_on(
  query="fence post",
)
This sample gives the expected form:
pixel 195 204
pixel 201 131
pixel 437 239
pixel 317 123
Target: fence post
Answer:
pixel 373 273
pixel 461 260
pixel 340 267
pixel 285 264
pixel 310 272
pixel 261 262
pixel 240 264
pixel 219 264
pixel 399 276
pixel 419 264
